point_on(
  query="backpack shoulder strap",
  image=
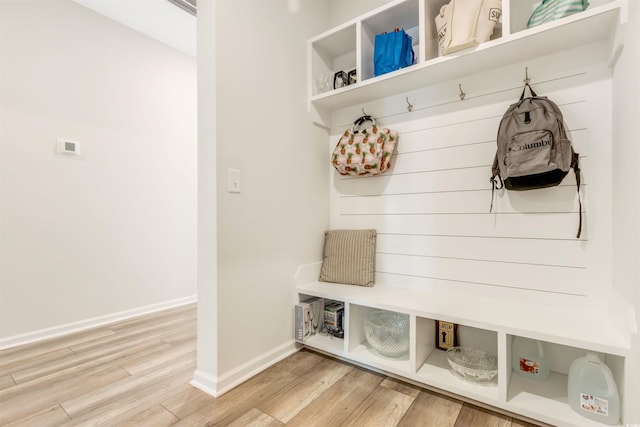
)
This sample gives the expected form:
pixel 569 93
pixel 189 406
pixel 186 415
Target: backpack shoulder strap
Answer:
pixel 495 179
pixel 526 85
pixel 576 169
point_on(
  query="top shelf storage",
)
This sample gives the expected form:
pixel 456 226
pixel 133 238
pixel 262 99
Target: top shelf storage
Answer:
pixel 350 47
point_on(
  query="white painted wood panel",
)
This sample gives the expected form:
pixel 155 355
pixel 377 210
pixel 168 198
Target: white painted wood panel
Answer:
pixel 560 199
pixel 558 226
pixel 560 279
pixel 569 253
pixel 431 209
pixel 436 181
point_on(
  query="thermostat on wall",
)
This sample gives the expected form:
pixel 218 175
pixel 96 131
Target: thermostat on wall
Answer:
pixel 68 147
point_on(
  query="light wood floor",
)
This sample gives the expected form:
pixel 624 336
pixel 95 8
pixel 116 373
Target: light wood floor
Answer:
pixel 137 372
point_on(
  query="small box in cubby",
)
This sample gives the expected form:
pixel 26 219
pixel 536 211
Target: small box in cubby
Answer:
pixel 309 318
pixel 301 323
pixel 334 315
pixel 446 335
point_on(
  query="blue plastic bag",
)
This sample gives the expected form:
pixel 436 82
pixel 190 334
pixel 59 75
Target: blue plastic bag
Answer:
pixel 392 51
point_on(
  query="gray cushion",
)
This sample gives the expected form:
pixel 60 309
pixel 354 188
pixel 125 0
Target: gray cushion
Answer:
pixel 349 257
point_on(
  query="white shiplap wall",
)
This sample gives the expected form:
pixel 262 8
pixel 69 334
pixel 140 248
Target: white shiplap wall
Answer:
pixel 431 209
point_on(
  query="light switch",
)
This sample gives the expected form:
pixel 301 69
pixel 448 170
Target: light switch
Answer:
pixel 233 180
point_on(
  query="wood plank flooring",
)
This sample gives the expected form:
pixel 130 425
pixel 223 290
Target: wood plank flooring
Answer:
pixel 137 372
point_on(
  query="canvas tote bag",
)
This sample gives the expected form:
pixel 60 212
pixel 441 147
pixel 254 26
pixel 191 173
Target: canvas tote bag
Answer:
pixel 466 23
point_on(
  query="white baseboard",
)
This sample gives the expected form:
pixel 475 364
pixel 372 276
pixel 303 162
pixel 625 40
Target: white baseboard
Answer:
pixel 82 325
pixel 216 386
pixel 205 382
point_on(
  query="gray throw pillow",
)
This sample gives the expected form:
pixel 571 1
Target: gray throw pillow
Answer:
pixel 349 257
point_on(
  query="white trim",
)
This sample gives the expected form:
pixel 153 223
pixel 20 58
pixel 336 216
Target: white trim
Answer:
pixel 205 382
pixel 217 386
pixel 69 328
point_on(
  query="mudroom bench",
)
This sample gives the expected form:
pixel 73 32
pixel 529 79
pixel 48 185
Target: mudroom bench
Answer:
pixel 569 329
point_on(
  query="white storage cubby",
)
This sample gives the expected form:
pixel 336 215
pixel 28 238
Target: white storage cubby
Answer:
pixel 331 52
pixel 321 341
pixel 433 368
pixel 520 11
pixel 404 15
pixel 362 352
pixel 531 397
pixel 351 45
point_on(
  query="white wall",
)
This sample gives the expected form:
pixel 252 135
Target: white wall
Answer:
pixel 277 221
pixel 114 229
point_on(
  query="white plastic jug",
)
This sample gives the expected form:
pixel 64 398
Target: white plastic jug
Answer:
pixel 528 359
pixel 592 390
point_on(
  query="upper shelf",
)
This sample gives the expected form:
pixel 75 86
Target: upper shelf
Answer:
pixel 598 23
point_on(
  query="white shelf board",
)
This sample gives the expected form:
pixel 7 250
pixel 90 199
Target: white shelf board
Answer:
pixel 326 343
pixel 577 326
pixel 368 356
pixel 436 371
pixel 401 15
pixel 592 25
pixel 545 400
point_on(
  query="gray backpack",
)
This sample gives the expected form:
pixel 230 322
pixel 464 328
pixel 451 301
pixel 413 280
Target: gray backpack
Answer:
pixel 533 148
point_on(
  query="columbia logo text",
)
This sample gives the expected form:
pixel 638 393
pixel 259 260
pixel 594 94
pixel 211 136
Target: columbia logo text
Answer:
pixel 537 144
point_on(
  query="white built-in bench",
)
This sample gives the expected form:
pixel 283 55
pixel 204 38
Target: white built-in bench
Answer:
pixel 569 326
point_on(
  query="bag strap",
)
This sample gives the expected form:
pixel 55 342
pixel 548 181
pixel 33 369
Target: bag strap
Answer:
pixel 446 41
pixel 576 169
pixel 413 55
pixel 494 187
pixel 474 30
pixel 360 121
pixel 526 85
pixel 495 179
